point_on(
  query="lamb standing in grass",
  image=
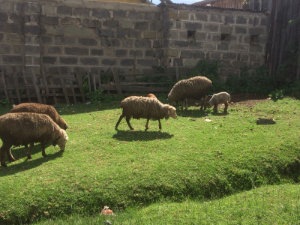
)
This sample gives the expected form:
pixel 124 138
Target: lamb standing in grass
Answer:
pixel 43 109
pixel 145 107
pixel 25 128
pixel 219 98
pixel 193 88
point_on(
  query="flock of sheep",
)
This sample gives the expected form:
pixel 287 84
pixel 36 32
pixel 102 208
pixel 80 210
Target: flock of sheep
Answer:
pixel 29 123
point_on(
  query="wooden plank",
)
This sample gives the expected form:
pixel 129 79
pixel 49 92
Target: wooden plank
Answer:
pixel 117 82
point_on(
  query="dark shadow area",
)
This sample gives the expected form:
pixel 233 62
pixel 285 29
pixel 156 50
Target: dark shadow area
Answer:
pixel 195 113
pixel 141 135
pixel 26 164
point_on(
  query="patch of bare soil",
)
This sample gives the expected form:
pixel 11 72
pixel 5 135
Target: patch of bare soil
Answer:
pixel 247 99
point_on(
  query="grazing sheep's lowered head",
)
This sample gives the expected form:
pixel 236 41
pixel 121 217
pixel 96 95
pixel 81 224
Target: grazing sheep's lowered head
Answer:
pixel 43 109
pixel 192 88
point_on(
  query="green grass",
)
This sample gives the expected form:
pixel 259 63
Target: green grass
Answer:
pixel 278 204
pixel 189 159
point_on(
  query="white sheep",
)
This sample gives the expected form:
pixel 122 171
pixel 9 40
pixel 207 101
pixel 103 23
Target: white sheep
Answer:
pixel 145 107
pixel 192 88
pixel 219 98
pixel 24 128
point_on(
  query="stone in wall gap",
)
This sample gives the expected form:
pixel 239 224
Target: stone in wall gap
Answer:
pixel 225 37
pixel 191 35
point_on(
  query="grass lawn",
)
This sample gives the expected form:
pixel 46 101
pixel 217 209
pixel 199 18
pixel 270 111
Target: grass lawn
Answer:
pixel 193 161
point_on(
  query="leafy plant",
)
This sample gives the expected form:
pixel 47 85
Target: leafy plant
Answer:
pixel 276 95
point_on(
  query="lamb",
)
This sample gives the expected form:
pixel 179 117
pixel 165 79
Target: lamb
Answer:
pixel 192 88
pixel 24 128
pixel 145 107
pixel 219 98
pixel 41 108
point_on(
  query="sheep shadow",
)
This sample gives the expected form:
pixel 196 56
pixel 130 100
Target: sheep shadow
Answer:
pixel 25 164
pixel 192 113
pixel 141 135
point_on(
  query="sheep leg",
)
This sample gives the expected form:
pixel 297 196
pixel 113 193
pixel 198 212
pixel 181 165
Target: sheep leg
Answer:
pixel 4 150
pixel 159 124
pixel 215 108
pixel 128 122
pixel 29 150
pixel 43 146
pixel 226 106
pixel 10 156
pixel 117 124
pixel 147 123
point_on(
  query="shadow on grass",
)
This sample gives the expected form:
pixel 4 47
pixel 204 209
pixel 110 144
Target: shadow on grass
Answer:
pixel 27 164
pixel 141 135
pixel 192 113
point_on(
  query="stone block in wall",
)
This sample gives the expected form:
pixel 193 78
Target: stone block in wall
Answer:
pixel 211 27
pixel 127 62
pixel 209 46
pixel 87 41
pixel 32 49
pixel 49 20
pixel 96 52
pixel 76 31
pixel 239 47
pixel 229 19
pixel 90 61
pixel 64 10
pixel 225 29
pixel 109 62
pixel 82 12
pixel 183 15
pixel 241 20
pixel 121 52
pixel 54 50
pixel 256 30
pixel 201 16
pixel 215 18
pixel 229 56
pixel 150 35
pixel 181 44
pixel 240 30
pixel 12 59
pixel 172 52
pixel 215 55
pixel 143 43
pixel 70 21
pixel 223 46
pixel 119 14
pixel 14 38
pixel 49 59
pixel 111 23
pixel 11 28
pixel 143 25
pixel 76 51
pixel 49 10
pixel 68 60
pixel 147 62
pixel 193 26
pixel 101 13
pixel 110 42
pixel 136 53
pixel 64 40
pixel 126 24
pixel 5 49
pixel 3 17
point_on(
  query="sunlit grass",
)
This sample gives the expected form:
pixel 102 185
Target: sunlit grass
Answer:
pixel 197 156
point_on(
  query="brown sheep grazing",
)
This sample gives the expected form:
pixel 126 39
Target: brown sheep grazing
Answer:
pixel 220 98
pixel 192 88
pixel 43 109
pixel 145 107
pixel 24 128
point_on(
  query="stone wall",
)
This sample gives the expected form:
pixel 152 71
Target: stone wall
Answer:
pixel 235 38
pixel 65 36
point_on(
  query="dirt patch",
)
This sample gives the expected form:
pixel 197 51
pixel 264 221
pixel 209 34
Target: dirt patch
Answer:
pixel 248 100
